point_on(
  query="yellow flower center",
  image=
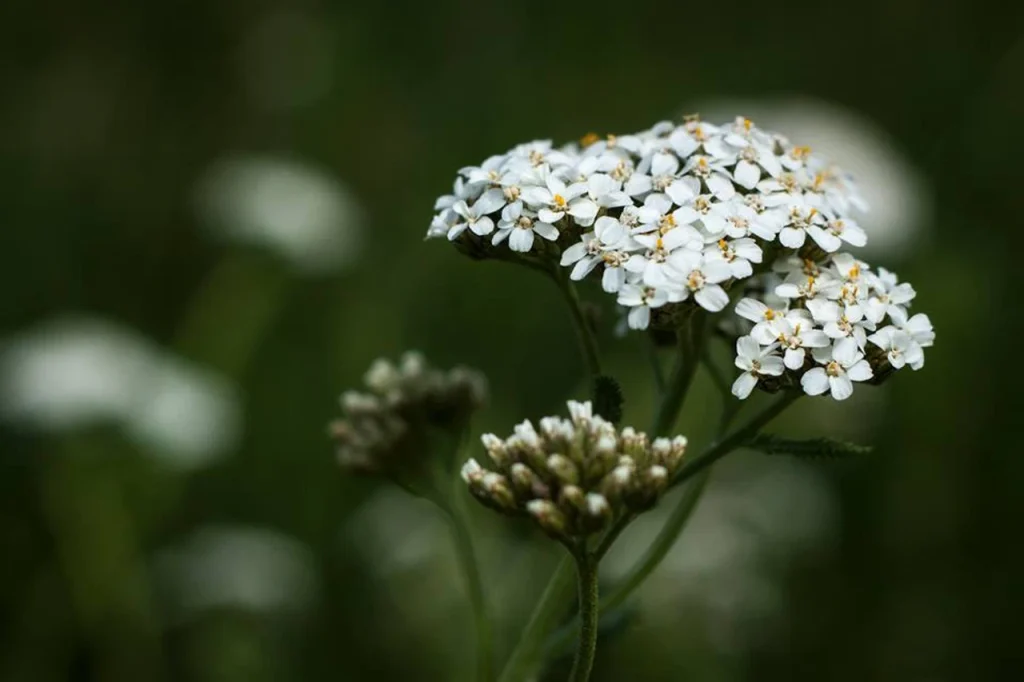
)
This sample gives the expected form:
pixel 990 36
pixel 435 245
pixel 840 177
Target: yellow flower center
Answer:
pixel 558 201
pixel 589 139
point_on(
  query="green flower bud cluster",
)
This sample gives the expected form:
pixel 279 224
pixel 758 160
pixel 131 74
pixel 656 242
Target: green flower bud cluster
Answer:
pixel 575 476
pixel 389 428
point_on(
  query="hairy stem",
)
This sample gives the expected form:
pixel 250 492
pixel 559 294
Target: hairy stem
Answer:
pixel 546 614
pixel 586 571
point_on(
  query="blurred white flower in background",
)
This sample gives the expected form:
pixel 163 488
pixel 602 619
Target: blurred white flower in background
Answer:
pixel 71 372
pixel 309 218
pixel 898 195
pixel 756 516
pixel 220 566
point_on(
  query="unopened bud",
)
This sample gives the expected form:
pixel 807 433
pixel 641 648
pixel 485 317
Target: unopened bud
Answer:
pixel 547 516
pixel 563 468
pixel 526 483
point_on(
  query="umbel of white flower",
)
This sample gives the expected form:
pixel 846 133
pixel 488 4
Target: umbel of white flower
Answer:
pixel 387 429
pixel 574 476
pixel 690 217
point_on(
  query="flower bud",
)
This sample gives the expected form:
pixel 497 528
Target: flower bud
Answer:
pixel 408 414
pixel 574 477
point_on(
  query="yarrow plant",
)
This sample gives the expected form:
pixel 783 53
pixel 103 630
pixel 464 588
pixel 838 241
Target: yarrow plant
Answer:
pixel 696 232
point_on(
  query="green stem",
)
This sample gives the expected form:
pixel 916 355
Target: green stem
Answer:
pixel 545 615
pixel 588 343
pixel 586 570
pixel 697 469
pixel 721 448
pixel 475 587
pixel 690 340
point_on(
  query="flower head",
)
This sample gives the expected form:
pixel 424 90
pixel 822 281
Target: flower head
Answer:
pixel 684 218
pixel 388 429
pixel 574 476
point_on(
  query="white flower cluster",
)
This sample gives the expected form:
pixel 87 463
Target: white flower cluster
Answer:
pixel 684 215
pixel 574 476
pixel 853 321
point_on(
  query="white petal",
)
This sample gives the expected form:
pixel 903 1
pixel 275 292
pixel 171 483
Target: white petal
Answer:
pixel 482 226
pixel 679 192
pixel 721 187
pixel 712 298
pixel 747 174
pixel 637 184
pixel 771 365
pixel 743 385
pixel 546 215
pixel 716 271
pixel 546 230
pixel 613 279
pixel 573 253
pixel 747 347
pixel 795 358
pixel 501 235
pixel 584 210
pixel 639 317
pixel 814 338
pixel 861 371
pixel 842 387
pixel 751 309
pixel 845 351
pixel 583 268
pixel 663 164
pixel 714 223
pixel 489 202
pixel 815 381
pixel 792 237
pixel 825 239
pixel 521 240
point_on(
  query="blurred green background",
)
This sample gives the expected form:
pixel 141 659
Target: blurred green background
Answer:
pixel 212 222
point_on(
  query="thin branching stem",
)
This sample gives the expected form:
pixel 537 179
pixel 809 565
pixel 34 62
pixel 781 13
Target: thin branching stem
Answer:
pixel 467 558
pixel 549 610
pixel 588 342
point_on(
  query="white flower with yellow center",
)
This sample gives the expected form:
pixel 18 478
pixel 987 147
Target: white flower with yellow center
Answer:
pixel 519 225
pixel 487 173
pixel 890 298
pixel 843 364
pixel 796 228
pixel 614 276
pixel 608 234
pixel 899 346
pixel 702 279
pixel 476 218
pixel 798 285
pixel 750 160
pixel 657 214
pixel 838 321
pixel 641 300
pixel 794 333
pixel 737 254
pixel 755 362
pixel 712 173
pixel 762 316
pixel 666 255
pixel 689 137
pixel 553 200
